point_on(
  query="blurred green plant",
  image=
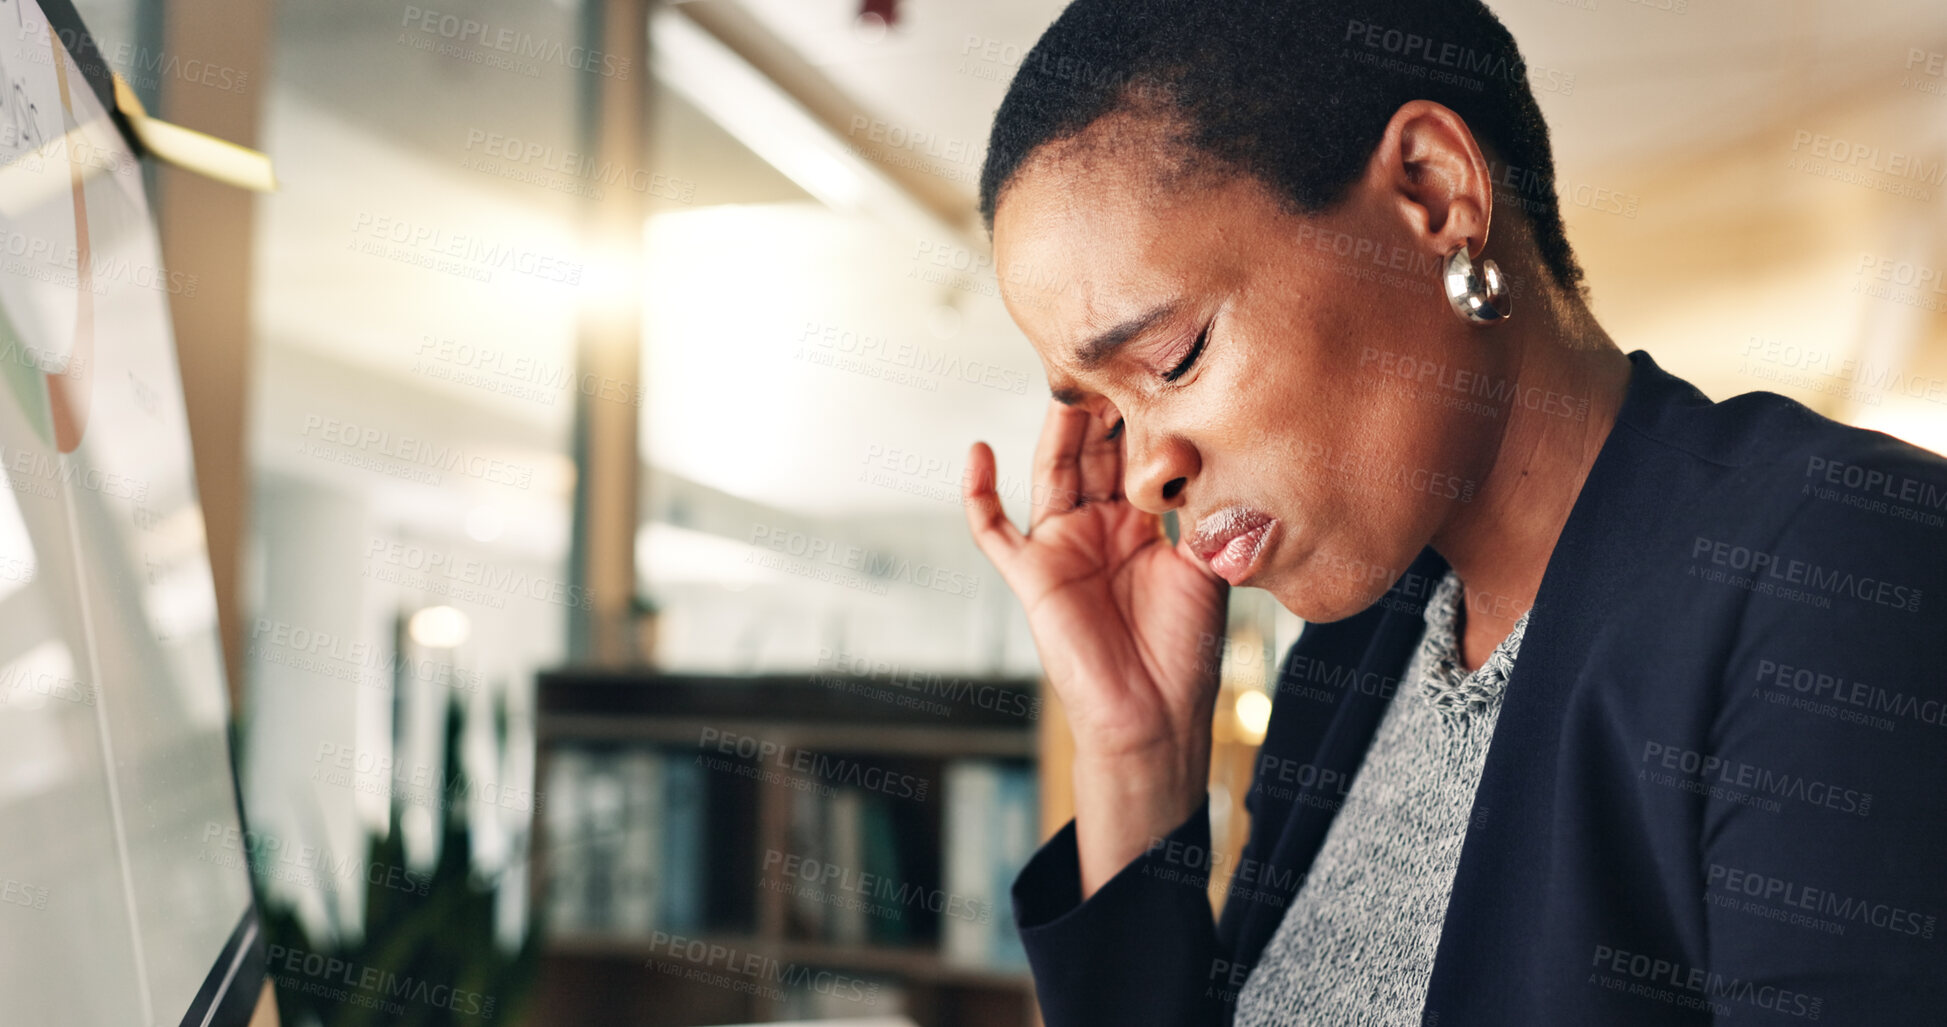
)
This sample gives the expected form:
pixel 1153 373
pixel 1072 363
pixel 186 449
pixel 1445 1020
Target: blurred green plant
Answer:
pixel 423 960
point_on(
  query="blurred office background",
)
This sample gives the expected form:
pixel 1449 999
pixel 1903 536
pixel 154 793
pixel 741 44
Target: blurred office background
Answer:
pixel 588 341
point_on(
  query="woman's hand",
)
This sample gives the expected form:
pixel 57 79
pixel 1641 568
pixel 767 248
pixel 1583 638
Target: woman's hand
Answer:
pixel 1129 629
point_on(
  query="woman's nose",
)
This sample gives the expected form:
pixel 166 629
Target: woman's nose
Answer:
pixel 1158 469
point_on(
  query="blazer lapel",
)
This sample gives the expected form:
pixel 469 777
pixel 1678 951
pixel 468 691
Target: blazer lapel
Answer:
pixel 1343 747
pixel 1495 902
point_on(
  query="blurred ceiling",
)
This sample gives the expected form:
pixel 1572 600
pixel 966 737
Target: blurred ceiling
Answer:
pixel 1646 81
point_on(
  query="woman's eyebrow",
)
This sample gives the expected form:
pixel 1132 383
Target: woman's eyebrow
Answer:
pixel 1096 351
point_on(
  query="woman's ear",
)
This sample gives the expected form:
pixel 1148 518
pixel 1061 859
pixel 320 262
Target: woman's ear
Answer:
pixel 1429 168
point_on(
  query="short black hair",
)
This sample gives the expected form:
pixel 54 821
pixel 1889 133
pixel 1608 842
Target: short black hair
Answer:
pixel 1294 92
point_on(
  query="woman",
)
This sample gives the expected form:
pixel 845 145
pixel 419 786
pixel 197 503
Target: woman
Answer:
pixel 1614 706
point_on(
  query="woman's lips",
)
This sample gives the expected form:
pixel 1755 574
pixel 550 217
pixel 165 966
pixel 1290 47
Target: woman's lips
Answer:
pixel 1231 541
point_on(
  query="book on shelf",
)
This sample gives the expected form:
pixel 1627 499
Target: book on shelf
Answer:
pixel 683 839
pixel 564 898
pixel 860 868
pixel 805 847
pixel 887 860
pixel 845 814
pixel 637 843
pixel 626 830
pixel 599 837
pixel 1013 845
pixel 990 834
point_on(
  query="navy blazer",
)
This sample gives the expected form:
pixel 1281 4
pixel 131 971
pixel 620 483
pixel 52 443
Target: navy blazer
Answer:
pixel 1716 791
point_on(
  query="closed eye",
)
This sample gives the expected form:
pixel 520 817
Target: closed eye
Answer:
pixel 1189 358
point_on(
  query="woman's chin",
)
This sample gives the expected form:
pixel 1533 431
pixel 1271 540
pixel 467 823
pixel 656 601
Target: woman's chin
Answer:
pixel 1324 598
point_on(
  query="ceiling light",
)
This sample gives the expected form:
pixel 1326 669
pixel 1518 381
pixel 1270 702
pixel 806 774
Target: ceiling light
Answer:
pixel 439 627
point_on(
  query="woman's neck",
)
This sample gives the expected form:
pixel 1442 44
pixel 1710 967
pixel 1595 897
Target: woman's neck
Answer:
pixel 1499 543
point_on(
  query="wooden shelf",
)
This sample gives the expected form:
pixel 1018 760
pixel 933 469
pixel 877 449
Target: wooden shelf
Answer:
pixel 917 723
pixel 941 702
pixel 998 743
pixel 919 965
pixel 915 964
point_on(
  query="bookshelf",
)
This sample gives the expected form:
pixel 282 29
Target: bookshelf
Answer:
pixel 836 862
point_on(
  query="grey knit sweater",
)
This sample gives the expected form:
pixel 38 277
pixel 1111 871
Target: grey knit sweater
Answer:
pixel 1356 947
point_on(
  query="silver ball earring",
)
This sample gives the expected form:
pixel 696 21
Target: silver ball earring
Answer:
pixel 1477 292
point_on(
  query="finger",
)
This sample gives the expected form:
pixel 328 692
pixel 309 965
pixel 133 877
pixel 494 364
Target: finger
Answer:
pixel 1101 462
pixel 1057 474
pixel 992 531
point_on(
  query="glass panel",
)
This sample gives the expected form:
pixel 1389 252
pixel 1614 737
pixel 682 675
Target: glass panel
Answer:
pixel 111 704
